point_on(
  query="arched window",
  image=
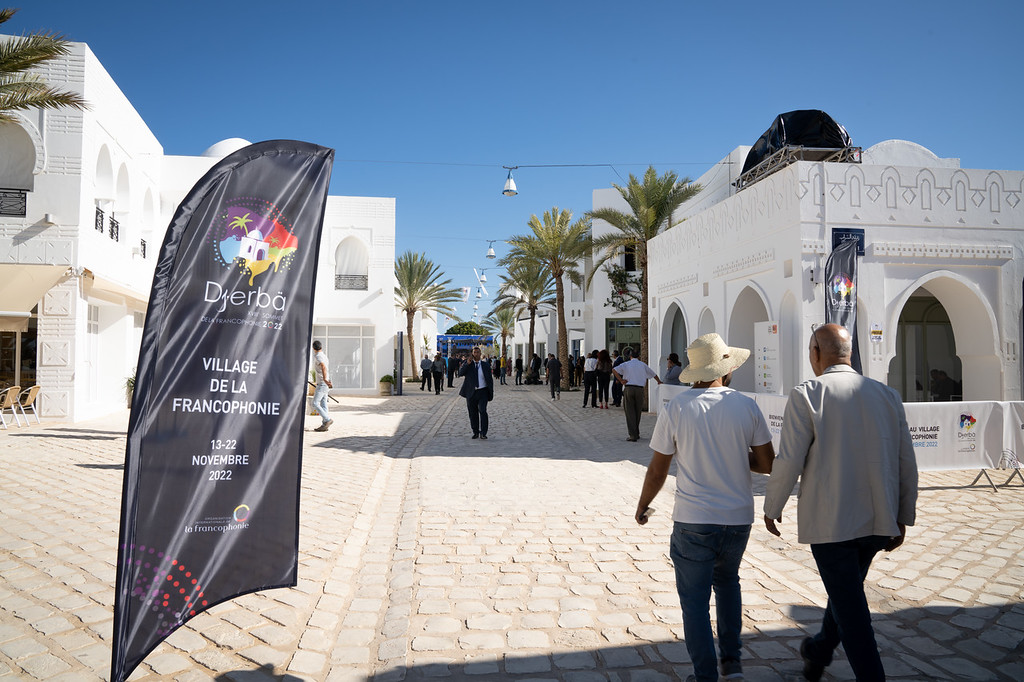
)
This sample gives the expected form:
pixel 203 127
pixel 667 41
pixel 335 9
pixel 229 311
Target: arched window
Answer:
pixel 352 263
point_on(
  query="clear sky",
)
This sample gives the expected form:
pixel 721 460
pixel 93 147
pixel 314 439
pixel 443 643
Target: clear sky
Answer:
pixel 425 102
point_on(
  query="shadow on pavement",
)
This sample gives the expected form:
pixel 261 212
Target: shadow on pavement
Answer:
pixel 78 435
pixel 985 644
pixel 264 673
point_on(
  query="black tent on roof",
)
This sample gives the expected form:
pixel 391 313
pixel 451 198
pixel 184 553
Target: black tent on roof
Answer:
pixel 801 128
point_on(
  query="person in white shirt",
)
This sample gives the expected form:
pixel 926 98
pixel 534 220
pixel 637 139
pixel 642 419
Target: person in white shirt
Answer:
pixel 633 375
pixel 323 384
pixel 846 438
pixel 716 436
pixel 590 380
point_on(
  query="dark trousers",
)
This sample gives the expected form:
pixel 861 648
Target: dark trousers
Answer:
pixel 425 379
pixel 590 388
pixel 616 393
pixel 451 376
pixel 633 404
pixel 843 567
pixel 438 381
pixel 477 405
pixel 519 377
pixel 556 385
pixel 603 380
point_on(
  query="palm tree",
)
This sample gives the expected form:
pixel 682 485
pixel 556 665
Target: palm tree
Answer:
pixel 527 286
pixel 502 322
pixel 651 205
pixel 559 244
pixel 419 290
pixel 19 89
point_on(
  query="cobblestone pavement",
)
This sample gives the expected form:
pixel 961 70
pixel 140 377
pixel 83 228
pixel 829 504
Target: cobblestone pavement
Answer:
pixel 425 554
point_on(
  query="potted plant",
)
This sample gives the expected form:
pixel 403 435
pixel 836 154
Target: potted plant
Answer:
pixel 386 383
pixel 129 388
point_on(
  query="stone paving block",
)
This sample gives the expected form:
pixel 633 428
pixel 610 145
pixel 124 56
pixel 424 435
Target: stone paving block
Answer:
pixel 308 662
pixel 18 649
pixel 528 664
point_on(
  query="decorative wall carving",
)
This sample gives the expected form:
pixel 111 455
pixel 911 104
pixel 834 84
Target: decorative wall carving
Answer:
pixel 55 353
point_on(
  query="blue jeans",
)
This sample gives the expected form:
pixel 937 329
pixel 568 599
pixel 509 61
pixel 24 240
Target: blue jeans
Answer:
pixel 320 402
pixel 843 567
pixel 708 556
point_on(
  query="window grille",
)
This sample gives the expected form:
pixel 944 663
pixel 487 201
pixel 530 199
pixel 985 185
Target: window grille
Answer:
pixel 142 248
pixel 359 282
pixel 98 222
pixel 12 202
pixel 115 229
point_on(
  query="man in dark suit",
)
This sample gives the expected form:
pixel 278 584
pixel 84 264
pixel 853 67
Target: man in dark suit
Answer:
pixel 478 390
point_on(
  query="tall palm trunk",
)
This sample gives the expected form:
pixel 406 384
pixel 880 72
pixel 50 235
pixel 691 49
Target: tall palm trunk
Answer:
pixel 563 333
pixel 412 346
pixel 533 318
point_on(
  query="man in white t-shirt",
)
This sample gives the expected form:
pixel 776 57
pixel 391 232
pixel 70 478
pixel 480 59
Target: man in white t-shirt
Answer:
pixel 716 436
pixel 323 384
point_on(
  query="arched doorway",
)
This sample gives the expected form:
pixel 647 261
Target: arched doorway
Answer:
pixel 926 367
pixel 673 337
pixel 748 309
pixel 961 341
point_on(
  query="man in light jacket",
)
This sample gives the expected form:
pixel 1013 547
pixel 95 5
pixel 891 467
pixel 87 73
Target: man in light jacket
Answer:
pixel 846 438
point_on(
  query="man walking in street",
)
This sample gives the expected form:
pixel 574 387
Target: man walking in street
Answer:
pixel 437 373
pixel 453 367
pixel 846 437
pixel 323 384
pixel 519 370
pixel 717 436
pixel 478 390
pixel 553 368
pixel 633 375
pixel 425 372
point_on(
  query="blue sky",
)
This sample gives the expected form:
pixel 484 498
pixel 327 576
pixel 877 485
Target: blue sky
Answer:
pixel 425 102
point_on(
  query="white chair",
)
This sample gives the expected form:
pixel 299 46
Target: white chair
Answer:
pixel 9 401
pixel 27 398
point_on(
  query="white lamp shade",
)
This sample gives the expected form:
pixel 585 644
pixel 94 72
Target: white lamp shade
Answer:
pixel 490 252
pixel 510 186
pixel 483 277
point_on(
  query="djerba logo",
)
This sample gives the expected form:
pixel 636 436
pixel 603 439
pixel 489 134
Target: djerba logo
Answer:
pixel 843 290
pixel 252 235
pixel 966 433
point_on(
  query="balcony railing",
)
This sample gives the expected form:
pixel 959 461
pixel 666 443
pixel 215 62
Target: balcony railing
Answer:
pixel 142 248
pixel 98 222
pixel 358 282
pixel 115 229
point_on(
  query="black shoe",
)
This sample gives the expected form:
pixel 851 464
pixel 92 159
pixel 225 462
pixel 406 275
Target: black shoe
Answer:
pixel 483 436
pixel 475 436
pixel 812 671
pixel 632 440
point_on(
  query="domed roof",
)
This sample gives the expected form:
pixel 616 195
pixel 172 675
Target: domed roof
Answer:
pixel 905 153
pixel 225 147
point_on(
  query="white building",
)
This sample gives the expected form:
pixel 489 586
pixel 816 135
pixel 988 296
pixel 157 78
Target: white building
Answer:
pixel 939 284
pixel 85 198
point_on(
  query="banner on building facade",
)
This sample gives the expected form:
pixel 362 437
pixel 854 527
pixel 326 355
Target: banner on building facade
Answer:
pixel 841 292
pixel 210 500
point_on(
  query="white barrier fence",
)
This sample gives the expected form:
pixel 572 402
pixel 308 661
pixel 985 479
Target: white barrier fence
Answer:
pixel 947 436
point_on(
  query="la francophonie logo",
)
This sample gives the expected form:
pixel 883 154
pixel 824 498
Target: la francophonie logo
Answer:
pixel 842 287
pixel 252 234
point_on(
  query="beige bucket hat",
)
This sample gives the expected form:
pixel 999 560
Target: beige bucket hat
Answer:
pixel 711 358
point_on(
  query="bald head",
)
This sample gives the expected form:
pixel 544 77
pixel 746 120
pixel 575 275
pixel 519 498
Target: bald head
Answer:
pixel 831 344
